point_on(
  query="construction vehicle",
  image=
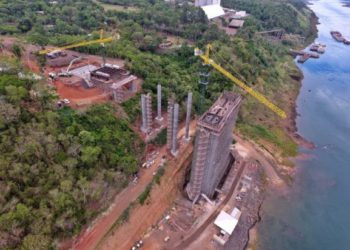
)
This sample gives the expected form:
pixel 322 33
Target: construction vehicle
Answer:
pixel 58 50
pixel 262 99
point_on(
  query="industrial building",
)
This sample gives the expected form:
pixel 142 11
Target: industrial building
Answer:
pixel 212 146
pixel 227 224
pixel 115 81
pixel 112 76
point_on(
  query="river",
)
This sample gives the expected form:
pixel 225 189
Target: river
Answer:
pixel 315 212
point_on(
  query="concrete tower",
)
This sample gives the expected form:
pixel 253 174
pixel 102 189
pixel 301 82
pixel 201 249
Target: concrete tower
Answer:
pixel 169 137
pixel 175 128
pixel 146 109
pixel 188 115
pixel 159 103
pixel 173 124
pixel 212 146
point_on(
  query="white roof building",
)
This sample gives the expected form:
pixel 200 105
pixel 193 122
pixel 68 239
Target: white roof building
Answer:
pixel 212 11
pixel 239 14
pixel 206 2
pixel 228 222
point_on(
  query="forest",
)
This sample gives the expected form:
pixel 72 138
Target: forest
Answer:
pixel 56 165
pixel 59 168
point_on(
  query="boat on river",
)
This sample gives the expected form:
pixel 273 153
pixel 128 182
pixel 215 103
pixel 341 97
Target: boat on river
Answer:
pixel 339 37
pixel 318 47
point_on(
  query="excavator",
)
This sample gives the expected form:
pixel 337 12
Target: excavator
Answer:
pixel 262 99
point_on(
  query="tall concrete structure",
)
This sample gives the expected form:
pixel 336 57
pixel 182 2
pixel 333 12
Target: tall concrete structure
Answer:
pixel 212 146
pixel 188 115
pixel 173 124
pixel 175 128
pixel 169 137
pixel 159 103
pixel 146 109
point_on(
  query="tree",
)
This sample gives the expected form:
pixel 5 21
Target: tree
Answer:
pixel 39 38
pixel 8 113
pixel 15 94
pixel 35 242
pixel 86 137
pixel 24 25
pixel 90 154
pixel 17 50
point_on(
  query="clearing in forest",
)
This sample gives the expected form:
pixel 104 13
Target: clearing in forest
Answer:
pixel 116 7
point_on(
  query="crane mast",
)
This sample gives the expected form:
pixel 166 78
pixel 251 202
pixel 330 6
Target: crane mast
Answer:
pixel 261 98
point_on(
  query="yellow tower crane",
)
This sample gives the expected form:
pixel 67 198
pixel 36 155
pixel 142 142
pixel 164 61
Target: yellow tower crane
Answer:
pixel 81 44
pixel 208 61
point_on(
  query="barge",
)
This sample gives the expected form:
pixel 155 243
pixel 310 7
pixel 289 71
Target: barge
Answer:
pixel 318 47
pixel 339 37
pixel 302 55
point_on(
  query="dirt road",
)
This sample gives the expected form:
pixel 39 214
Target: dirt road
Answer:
pixel 91 237
pixel 249 149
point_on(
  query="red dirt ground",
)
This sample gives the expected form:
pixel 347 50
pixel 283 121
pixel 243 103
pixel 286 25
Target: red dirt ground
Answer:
pixel 27 59
pixel 91 237
pixel 80 95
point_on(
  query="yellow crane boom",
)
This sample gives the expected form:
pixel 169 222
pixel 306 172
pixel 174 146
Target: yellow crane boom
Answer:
pixel 80 44
pixel 249 90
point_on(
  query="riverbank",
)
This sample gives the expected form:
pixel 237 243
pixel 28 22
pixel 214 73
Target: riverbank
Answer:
pixel 290 125
pixel 313 214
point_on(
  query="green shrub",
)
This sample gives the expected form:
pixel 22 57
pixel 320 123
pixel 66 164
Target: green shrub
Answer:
pixel 145 194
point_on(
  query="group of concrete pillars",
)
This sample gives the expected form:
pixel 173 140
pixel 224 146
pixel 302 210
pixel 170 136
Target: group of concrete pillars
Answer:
pixel 173 117
pixel 173 122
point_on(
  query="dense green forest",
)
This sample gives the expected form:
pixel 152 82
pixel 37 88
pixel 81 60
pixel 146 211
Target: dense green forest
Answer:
pixel 57 166
pixel 290 15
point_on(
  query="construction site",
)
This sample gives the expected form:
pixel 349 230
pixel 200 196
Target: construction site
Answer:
pixel 212 187
pixel 87 79
pixel 209 196
pixel 211 191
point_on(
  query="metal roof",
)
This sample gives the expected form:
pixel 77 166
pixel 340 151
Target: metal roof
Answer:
pixel 226 221
pixel 212 11
pixel 236 23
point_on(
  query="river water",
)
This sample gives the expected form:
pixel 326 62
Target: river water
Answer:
pixel 315 213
